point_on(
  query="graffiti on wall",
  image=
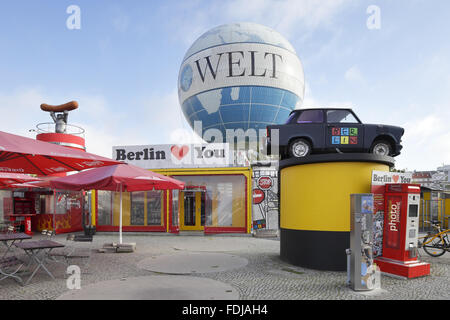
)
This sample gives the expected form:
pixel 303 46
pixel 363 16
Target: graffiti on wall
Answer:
pixel 265 198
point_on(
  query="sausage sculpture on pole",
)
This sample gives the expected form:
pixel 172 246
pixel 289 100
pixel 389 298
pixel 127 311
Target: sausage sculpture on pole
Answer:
pixel 60 113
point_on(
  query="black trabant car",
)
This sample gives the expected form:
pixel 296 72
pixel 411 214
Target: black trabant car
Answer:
pixel 332 130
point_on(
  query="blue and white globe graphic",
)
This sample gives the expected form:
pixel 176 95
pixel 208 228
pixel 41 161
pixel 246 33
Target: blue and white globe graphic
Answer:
pixel 240 76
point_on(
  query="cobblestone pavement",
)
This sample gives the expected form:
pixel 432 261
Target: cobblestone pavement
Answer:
pixel 264 277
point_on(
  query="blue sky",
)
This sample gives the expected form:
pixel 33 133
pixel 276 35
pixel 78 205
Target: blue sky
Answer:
pixel 122 65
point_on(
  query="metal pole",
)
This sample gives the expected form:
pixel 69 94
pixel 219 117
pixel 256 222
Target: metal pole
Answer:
pixel 83 214
pixel 120 217
pixel 54 211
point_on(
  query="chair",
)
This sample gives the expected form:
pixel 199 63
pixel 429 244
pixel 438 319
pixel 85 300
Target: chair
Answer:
pixel 4 226
pixel 8 268
pixel 49 234
pixel 73 252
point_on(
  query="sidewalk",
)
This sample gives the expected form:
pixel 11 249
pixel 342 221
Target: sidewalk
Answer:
pixel 214 267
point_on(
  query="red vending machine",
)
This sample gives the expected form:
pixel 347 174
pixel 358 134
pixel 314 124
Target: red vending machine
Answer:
pixel 401 231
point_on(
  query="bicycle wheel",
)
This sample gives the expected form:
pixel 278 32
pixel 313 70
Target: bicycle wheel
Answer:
pixel 435 247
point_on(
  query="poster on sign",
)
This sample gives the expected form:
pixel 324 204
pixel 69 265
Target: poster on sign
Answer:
pixel 265 197
pixel 379 180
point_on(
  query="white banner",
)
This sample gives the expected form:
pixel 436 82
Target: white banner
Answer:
pixel 166 156
pixel 382 177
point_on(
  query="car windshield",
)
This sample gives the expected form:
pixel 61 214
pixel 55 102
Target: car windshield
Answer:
pixel 310 116
pixel 341 116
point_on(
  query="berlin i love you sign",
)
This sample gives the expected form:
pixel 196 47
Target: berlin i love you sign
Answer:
pixel 175 156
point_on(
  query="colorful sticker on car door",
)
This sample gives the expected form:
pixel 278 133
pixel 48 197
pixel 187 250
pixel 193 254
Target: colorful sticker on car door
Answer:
pixel 344 135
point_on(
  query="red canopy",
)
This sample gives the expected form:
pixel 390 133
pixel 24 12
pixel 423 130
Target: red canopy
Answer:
pixel 9 180
pixel 24 155
pixel 121 177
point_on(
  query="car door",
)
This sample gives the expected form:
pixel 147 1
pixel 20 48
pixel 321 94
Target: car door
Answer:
pixel 344 131
pixel 310 124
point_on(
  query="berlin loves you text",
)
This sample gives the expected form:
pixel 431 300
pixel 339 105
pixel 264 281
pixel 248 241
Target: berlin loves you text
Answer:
pixel 174 156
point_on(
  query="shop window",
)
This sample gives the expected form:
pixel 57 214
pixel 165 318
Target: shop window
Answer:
pixel 3 194
pixel 104 208
pixel 175 207
pixel 47 204
pixel 137 217
pixel 139 208
pixel 154 208
pixel 223 200
pixel 61 203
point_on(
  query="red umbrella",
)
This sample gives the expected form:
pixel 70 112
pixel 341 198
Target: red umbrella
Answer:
pixel 10 180
pixel 126 176
pixel 121 177
pixel 24 155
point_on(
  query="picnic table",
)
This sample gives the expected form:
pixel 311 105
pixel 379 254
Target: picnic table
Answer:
pixel 38 252
pixel 8 239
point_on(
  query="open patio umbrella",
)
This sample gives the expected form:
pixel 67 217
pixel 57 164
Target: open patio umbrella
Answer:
pixel 24 155
pixel 11 180
pixel 119 178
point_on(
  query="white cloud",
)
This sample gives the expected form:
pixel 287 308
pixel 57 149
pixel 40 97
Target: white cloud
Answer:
pixel 119 19
pixel 21 112
pixel 313 102
pixel 285 16
pixel 167 120
pixel 426 142
pixel 184 136
pixel 353 74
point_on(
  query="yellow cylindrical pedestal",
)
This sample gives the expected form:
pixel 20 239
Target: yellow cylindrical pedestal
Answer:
pixel 315 206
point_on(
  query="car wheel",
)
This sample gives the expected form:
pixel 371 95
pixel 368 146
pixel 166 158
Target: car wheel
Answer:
pixel 381 148
pixel 299 148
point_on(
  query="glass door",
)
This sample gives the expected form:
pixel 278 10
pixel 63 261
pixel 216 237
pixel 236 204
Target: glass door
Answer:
pixel 192 213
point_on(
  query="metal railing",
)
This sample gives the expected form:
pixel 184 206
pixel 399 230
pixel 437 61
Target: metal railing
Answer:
pixel 49 127
pixel 432 210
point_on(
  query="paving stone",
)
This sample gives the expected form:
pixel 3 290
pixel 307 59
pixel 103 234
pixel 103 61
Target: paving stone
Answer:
pixel 265 276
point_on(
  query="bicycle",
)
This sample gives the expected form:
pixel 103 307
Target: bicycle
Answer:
pixel 436 243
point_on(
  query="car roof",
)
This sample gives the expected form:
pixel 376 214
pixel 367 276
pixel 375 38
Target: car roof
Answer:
pixel 320 108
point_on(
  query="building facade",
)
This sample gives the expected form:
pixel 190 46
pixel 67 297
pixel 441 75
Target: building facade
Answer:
pixel 217 197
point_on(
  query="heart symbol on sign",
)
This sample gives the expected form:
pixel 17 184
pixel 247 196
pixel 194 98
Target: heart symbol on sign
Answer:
pixel 179 152
pixel 395 177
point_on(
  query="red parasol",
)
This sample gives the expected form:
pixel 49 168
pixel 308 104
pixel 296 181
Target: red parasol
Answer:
pixel 121 177
pixel 126 176
pixel 10 180
pixel 24 155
